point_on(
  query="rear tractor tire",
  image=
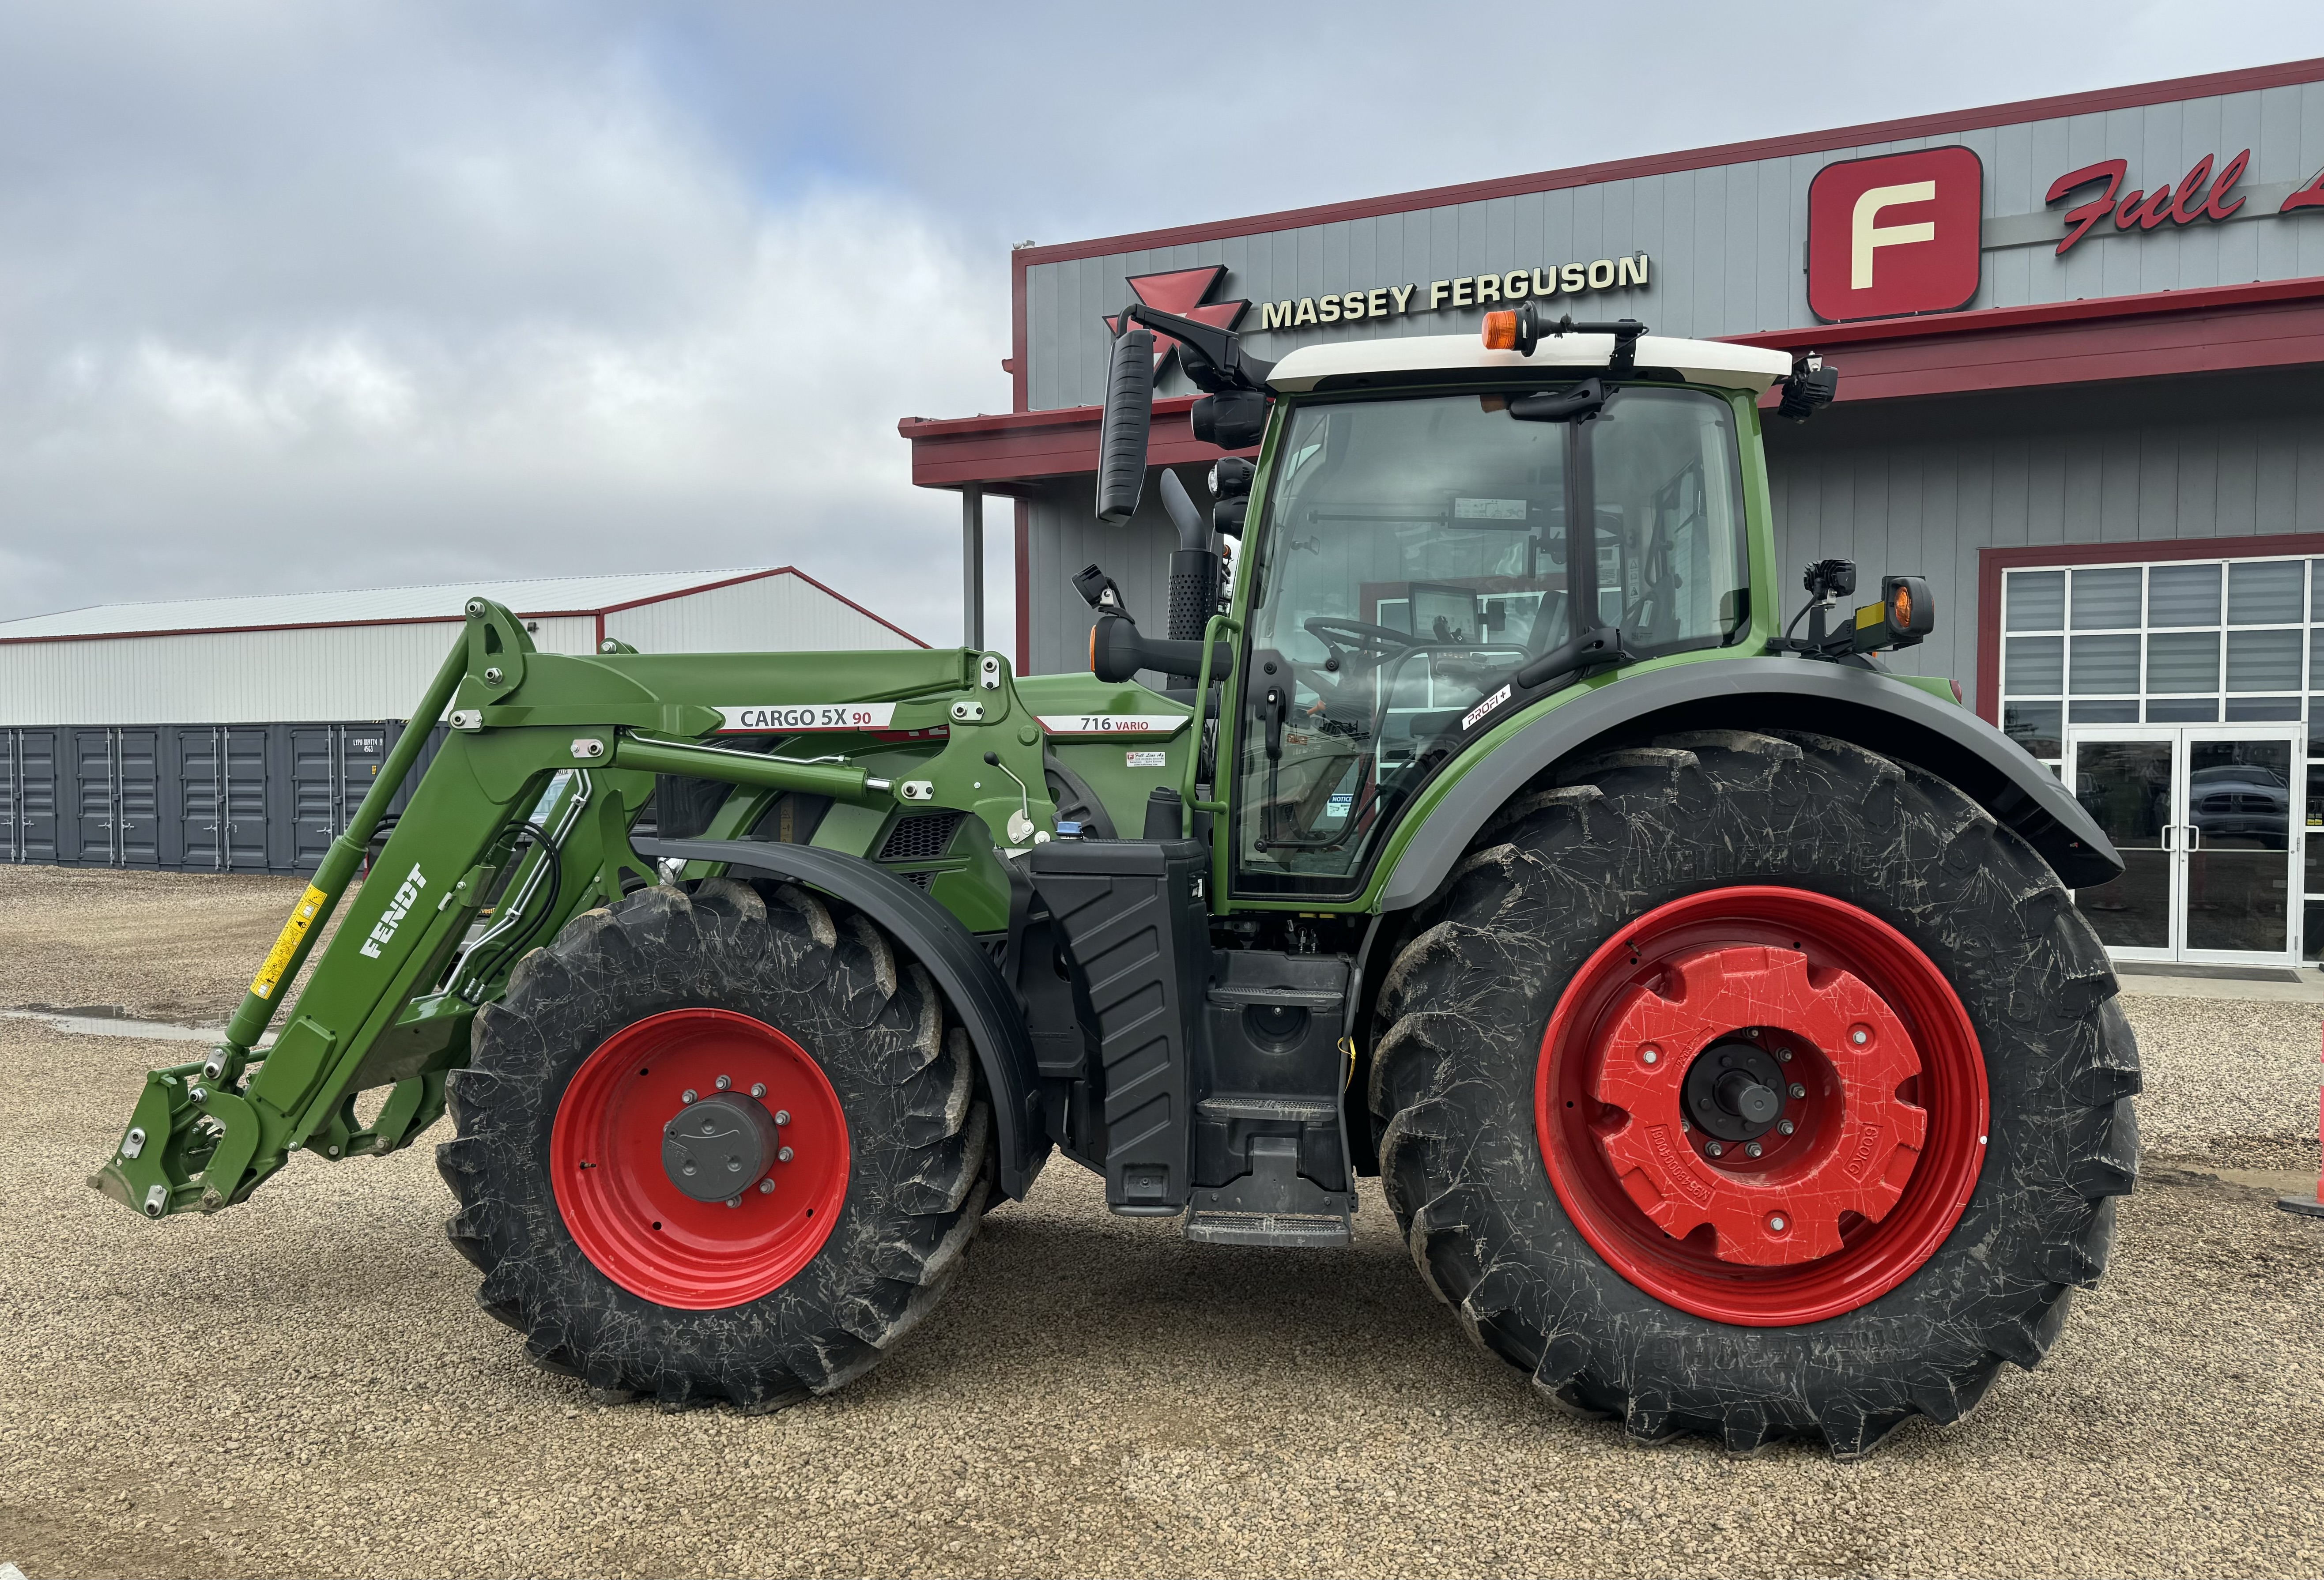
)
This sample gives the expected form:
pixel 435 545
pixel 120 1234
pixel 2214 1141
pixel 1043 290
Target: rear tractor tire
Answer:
pixel 1756 1085
pixel 779 1045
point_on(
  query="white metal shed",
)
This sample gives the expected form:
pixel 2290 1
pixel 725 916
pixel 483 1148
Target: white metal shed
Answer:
pixel 301 656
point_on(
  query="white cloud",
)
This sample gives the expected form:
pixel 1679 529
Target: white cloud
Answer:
pixel 542 327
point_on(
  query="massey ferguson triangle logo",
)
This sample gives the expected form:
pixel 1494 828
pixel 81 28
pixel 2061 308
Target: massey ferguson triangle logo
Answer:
pixel 1185 292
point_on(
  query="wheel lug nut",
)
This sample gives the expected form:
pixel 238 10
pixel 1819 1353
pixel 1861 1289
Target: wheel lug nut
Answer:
pixel 725 1082
pixel 1649 1053
pixel 766 1186
pixel 688 1095
pixel 1751 1149
pixel 1798 1090
pixel 1859 1037
pixel 1778 1223
pixel 1784 1127
pixel 1782 1056
pixel 783 1156
pixel 757 1088
pixel 733 1201
pixel 782 1116
pixel 1715 1148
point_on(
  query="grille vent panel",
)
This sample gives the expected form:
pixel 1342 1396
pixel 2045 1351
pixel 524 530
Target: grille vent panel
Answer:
pixel 923 837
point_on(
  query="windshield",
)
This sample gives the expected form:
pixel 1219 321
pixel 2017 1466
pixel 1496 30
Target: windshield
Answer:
pixel 1414 553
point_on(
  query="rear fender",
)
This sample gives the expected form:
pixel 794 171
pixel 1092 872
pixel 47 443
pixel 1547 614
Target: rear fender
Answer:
pixel 970 981
pixel 1877 711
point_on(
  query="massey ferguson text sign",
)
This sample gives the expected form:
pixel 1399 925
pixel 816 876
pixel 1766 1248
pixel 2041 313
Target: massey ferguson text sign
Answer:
pixel 1896 234
pixel 1467 291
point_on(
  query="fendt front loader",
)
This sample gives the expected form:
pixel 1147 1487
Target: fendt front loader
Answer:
pixel 1710 1002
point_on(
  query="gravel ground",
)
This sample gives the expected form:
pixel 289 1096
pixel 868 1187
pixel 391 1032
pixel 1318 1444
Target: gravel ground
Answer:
pixel 305 1386
pixel 164 946
pixel 2228 1079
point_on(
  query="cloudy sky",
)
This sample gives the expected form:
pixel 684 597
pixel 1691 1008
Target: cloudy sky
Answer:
pixel 332 293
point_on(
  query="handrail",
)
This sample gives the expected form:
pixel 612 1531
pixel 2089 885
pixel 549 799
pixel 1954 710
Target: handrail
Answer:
pixel 1188 806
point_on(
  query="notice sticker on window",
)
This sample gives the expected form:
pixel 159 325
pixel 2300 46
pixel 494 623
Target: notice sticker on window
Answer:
pixel 1489 510
pixel 1146 758
pixel 1342 803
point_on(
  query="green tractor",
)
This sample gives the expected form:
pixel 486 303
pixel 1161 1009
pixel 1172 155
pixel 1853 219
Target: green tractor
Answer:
pixel 1710 1002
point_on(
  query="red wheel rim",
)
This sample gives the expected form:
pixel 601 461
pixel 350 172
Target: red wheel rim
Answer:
pixel 1885 1143
pixel 640 1230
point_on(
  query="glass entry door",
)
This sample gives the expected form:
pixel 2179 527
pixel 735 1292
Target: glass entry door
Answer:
pixel 2208 820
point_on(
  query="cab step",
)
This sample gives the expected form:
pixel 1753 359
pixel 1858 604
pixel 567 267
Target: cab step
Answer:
pixel 1272 1204
pixel 1280 1231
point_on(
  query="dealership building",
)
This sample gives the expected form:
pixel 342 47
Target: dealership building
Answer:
pixel 2080 344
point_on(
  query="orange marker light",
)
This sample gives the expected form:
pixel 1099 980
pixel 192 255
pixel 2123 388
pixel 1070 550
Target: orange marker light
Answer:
pixel 1500 331
pixel 1092 649
pixel 1904 607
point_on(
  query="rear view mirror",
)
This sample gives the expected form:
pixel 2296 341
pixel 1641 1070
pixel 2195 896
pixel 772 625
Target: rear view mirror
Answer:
pixel 1129 416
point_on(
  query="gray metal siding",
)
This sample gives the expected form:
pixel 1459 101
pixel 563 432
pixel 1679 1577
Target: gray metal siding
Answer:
pixel 1921 487
pixel 1726 242
pixel 1066 535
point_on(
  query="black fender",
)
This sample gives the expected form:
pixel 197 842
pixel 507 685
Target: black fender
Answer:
pixel 971 982
pixel 1876 711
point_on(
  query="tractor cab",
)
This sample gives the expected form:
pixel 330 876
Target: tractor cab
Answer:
pixel 1417 549
pixel 1442 530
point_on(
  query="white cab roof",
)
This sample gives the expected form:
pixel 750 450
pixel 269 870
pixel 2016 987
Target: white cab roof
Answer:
pixel 1701 362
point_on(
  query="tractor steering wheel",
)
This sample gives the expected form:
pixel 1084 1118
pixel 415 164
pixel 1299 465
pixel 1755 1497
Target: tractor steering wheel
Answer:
pixel 1358 638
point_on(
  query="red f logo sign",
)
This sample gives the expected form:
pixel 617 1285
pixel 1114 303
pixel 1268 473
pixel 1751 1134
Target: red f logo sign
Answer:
pixel 1894 234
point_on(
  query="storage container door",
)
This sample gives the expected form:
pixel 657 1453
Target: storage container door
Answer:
pixel 313 795
pixel 201 809
pixel 9 851
pixel 36 791
pixel 137 816
pixel 245 799
pixel 362 748
pixel 91 841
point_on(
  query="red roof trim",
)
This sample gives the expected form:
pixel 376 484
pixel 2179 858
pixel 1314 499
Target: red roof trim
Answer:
pixel 1983 320
pixel 860 609
pixel 700 587
pixel 597 614
pixel 2246 80
pixel 303 625
pixel 1067 417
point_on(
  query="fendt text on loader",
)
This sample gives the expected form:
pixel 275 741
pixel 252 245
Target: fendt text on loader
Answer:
pixel 1711 1001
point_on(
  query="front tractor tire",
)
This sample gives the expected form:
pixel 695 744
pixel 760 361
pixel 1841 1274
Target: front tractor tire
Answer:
pixel 775 1044
pixel 1757 1085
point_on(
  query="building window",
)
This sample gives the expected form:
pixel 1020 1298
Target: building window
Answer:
pixel 2180 642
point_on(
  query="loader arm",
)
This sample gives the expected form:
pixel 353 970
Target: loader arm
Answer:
pixel 520 823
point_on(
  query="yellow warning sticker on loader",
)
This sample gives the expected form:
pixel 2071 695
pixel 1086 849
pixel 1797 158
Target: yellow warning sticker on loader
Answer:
pixel 278 959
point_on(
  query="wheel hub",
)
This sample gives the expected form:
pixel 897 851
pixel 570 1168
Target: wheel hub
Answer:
pixel 1734 1090
pixel 1694 1134
pixel 736 1101
pixel 720 1147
